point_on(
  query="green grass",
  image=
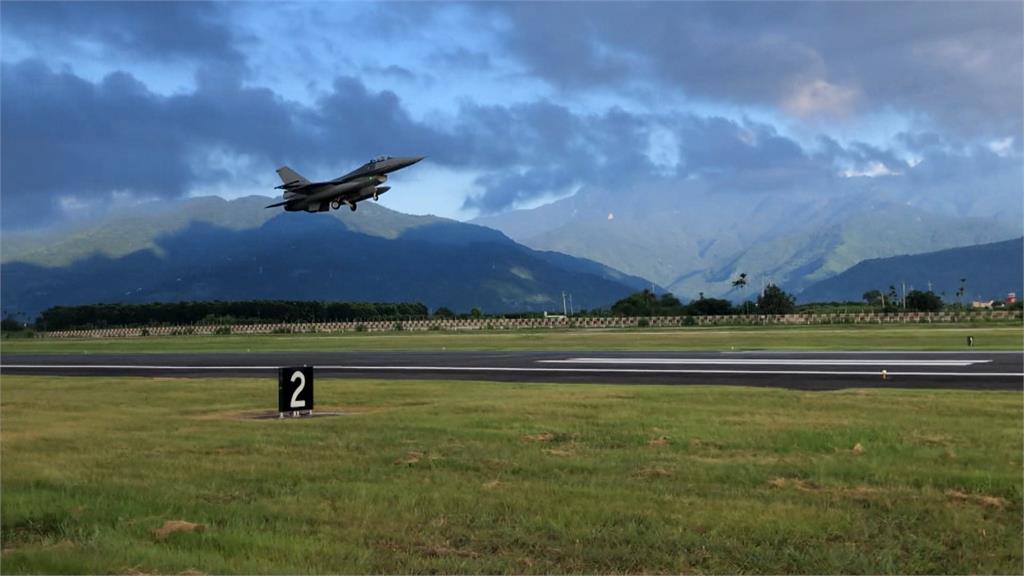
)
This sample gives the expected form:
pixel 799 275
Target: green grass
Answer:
pixel 468 477
pixel 1002 336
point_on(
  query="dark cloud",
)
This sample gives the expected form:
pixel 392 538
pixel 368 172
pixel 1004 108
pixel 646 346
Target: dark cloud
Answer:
pixel 959 63
pixel 463 58
pixel 391 71
pixel 66 137
pixel 535 149
pixel 89 140
pixel 158 31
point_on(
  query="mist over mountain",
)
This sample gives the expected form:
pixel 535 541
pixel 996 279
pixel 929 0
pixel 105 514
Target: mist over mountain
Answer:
pixel 691 236
pixel 990 271
pixel 210 248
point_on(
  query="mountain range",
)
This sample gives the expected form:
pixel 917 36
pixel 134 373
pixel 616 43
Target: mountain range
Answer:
pixel 596 245
pixel 692 238
pixel 214 249
pixel 989 271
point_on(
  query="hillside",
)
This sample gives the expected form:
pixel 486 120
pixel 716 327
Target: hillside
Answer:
pixel 207 249
pixel 691 238
pixel 991 271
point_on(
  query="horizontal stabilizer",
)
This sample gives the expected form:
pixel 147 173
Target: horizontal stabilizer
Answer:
pixel 278 204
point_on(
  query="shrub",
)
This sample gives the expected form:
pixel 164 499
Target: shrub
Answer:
pixel 222 330
pixel 643 323
pixel 360 327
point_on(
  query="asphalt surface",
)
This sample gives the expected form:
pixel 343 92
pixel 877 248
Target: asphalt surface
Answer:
pixel 794 370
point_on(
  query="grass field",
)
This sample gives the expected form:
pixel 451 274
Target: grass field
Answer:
pixel 1002 336
pixel 468 477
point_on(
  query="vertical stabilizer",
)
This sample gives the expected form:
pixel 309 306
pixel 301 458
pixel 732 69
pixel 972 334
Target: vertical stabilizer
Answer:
pixel 290 178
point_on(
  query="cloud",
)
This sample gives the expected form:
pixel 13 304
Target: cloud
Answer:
pixel 67 137
pixel 872 170
pixel 463 58
pixel 72 142
pixel 157 31
pixel 959 64
pixel 532 150
pixel 820 98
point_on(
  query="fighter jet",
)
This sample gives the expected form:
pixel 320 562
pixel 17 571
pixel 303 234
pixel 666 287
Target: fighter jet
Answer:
pixel 362 183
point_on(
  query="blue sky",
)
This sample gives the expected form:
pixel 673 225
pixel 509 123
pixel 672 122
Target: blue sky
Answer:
pixel 514 104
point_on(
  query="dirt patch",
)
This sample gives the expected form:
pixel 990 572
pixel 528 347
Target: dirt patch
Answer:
pixel 857 448
pixel 493 484
pixel 932 439
pixel 698 443
pixel 438 550
pixel 653 472
pixel 811 486
pixel 430 550
pixel 860 491
pixel 560 452
pixel 746 457
pixel 175 526
pixel 542 437
pixel 658 442
pixel 59 546
pixel 798 483
pixel 318 412
pixel 981 499
pixel 410 458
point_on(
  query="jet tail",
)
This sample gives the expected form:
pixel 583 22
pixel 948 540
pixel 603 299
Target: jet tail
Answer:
pixel 290 178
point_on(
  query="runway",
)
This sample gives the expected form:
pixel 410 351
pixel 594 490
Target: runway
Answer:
pixel 794 370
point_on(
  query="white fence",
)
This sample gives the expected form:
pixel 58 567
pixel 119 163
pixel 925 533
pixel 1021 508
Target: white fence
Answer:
pixel 541 323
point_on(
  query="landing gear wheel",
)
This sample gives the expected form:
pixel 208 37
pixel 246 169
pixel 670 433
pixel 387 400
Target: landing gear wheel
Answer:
pixel 352 206
pixel 335 204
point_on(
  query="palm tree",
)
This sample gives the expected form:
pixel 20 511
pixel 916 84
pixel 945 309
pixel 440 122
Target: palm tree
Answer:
pixel 741 283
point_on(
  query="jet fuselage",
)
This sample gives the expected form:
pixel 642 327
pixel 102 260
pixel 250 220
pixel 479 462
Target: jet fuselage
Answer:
pixel 360 184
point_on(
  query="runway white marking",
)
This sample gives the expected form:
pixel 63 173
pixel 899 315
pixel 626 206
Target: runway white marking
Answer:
pixel 507 369
pixel 769 361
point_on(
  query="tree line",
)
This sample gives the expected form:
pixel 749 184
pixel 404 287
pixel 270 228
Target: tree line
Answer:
pixel 224 312
pixel 773 300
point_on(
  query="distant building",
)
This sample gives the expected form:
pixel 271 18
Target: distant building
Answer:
pixel 982 304
pixel 1011 298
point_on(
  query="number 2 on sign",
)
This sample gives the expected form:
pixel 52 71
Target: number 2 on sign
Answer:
pixel 296 403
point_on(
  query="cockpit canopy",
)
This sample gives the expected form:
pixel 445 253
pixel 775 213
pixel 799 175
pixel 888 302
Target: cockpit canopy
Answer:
pixel 380 159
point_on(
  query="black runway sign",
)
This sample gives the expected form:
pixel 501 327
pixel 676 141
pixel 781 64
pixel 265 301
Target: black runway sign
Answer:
pixel 295 389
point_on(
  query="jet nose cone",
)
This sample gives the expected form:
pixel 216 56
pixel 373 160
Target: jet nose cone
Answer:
pixel 408 160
